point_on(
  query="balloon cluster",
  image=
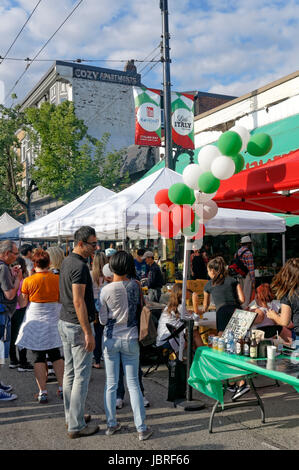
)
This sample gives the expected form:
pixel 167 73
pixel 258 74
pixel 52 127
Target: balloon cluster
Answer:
pixel 186 206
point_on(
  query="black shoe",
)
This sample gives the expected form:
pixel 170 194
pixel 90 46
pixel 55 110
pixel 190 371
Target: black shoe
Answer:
pixel 240 391
pixel 13 365
pixel 232 388
pixel 25 367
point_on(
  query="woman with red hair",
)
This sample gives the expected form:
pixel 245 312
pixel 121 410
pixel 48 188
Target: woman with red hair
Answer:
pixel 39 330
pixel 264 301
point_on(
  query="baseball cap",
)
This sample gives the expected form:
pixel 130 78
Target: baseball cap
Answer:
pixel 110 251
pixel 148 254
pixel 107 271
pixel 246 239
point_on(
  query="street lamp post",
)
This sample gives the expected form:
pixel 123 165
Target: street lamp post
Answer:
pixel 166 84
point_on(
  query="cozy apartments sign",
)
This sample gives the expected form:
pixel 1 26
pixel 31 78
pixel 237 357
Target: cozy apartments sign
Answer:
pixel 106 75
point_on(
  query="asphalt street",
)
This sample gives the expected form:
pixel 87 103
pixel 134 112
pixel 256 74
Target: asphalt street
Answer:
pixel 27 425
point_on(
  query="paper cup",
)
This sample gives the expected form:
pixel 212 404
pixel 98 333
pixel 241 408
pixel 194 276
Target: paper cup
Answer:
pixel 271 352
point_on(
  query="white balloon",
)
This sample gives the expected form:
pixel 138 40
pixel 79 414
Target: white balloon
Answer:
pixel 244 134
pixel 210 209
pixel 206 156
pixel 198 209
pixel 191 174
pixel 201 198
pixel 223 167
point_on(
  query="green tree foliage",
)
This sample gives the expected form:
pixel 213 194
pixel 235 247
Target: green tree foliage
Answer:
pixel 69 162
pixel 12 194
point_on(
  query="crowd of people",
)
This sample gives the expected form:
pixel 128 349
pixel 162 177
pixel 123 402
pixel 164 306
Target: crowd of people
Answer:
pixel 72 316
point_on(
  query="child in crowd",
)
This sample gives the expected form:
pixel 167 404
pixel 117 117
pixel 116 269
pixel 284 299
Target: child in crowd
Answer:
pixel 264 300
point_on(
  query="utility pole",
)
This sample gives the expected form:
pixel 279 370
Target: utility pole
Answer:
pixel 166 85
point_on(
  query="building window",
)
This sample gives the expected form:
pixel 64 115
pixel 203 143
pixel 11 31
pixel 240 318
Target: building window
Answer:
pixel 53 94
pixel 23 152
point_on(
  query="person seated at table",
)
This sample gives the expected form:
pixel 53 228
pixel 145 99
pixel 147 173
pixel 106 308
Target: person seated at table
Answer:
pixel 264 300
pixel 226 291
pixel 171 315
pixel 285 285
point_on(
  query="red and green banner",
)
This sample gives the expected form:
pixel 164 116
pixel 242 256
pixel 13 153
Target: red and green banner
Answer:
pixel 182 118
pixel 148 116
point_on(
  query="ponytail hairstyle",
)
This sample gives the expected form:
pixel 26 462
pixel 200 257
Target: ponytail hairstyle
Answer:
pixel 219 267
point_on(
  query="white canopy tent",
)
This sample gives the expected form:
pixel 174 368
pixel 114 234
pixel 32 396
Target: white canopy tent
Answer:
pixel 48 227
pixel 9 227
pixel 130 214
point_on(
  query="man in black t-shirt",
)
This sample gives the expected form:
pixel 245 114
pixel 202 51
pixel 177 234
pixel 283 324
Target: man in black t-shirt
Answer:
pixel 154 279
pixel 76 331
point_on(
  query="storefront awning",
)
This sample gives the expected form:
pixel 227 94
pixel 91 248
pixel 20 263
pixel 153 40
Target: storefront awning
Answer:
pixel 272 187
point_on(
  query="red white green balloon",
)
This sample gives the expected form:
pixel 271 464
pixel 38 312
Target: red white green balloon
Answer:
pixel 162 221
pixel 239 162
pixel 223 167
pixel 210 209
pixel 192 229
pixel 201 198
pixel 244 134
pixel 180 193
pixel 207 182
pixel 162 200
pixel 191 174
pixel 206 156
pixel 182 216
pixel 259 144
pixel 229 143
pixel 201 232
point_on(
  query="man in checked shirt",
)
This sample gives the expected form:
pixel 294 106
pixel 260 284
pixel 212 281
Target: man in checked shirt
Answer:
pixel 245 254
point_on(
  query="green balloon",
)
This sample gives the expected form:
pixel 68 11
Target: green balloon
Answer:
pixel 192 230
pixel 229 143
pixel 239 162
pixel 180 193
pixel 207 183
pixel 259 145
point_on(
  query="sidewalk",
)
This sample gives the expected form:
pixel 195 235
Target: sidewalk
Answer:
pixel 27 425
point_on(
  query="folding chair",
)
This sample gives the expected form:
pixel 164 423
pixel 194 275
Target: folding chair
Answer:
pixel 160 354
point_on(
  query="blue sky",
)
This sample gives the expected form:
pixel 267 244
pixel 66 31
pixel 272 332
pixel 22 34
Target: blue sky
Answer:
pixel 218 46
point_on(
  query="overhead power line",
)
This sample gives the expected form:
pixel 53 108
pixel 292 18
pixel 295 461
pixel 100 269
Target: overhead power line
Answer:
pixel 42 48
pixel 27 59
pixel 16 38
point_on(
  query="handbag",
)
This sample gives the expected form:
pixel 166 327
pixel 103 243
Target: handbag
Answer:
pixel 147 327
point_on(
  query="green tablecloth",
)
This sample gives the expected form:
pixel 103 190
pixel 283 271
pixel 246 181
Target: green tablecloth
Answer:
pixel 209 368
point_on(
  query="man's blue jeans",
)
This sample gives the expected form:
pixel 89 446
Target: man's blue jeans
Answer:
pixel 127 351
pixel 77 371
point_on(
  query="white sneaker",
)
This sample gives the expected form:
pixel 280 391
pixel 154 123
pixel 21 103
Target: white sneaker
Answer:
pixel 119 403
pixel 146 403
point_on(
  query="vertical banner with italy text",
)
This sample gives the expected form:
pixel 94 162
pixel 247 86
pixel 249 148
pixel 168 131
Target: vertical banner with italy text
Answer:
pixel 148 116
pixel 182 119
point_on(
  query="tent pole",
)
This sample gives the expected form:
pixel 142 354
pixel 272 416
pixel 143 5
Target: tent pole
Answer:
pixel 189 404
pixel 283 239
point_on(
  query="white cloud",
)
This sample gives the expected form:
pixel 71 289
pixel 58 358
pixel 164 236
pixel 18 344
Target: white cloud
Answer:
pixel 229 47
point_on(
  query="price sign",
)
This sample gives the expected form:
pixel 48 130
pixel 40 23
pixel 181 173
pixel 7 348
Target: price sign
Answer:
pixel 240 323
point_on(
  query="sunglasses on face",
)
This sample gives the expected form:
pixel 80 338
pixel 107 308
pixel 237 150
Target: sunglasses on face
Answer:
pixel 93 244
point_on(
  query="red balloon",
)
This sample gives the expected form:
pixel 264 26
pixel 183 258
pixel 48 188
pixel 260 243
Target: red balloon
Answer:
pixel 162 200
pixel 164 224
pixel 200 233
pixel 183 216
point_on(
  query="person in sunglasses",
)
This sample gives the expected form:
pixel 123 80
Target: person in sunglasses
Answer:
pixel 76 329
pixel 9 284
